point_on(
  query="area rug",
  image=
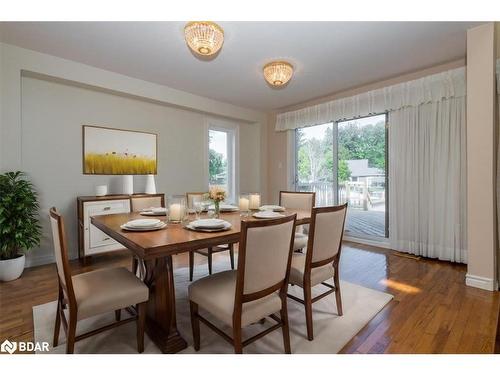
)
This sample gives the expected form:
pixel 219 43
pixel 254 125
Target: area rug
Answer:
pixel 331 332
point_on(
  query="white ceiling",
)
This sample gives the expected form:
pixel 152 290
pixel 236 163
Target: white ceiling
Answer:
pixel 328 56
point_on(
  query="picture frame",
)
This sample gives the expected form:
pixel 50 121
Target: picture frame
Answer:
pixel 113 151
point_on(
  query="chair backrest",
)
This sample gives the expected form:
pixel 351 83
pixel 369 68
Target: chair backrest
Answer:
pixel 299 200
pixel 325 234
pixel 264 257
pixel 61 253
pixel 191 198
pixel 141 202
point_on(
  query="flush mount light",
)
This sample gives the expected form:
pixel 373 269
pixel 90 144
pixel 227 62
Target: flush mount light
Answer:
pixel 278 73
pixel 204 37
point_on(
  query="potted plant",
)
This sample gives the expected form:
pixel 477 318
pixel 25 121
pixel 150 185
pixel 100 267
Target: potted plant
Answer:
pixel 20 229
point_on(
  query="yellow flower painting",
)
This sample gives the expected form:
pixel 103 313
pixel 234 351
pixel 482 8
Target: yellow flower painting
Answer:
pixel 118 152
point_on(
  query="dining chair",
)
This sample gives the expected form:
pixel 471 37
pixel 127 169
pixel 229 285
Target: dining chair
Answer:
pixel 191 199
pixel 139 203
pixel 321 261
pixel 93 293
pixel 299 200
pixel 256 290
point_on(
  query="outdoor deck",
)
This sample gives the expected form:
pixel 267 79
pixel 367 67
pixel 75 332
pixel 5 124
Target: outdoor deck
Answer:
pixel 365 223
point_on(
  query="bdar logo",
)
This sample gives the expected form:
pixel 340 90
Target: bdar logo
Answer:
pixel 8 347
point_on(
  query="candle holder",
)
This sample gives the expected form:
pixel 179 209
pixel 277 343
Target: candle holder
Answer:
pixel 244 204
pixel 177 208
pixel 254 201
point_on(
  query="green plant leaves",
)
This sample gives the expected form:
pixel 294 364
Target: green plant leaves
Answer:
pixel 20 228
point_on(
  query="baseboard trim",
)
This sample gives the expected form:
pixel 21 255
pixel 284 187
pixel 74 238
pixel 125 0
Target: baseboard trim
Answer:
pixel 383 243
pixel 34 261
pixel 481 282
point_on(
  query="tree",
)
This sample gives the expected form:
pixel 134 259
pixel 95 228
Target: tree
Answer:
pixel 216 165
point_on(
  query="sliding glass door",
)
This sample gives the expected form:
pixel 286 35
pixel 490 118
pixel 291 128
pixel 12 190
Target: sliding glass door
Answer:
pixel 347 162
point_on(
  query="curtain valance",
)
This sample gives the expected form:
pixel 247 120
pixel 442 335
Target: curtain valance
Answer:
pixel 433 88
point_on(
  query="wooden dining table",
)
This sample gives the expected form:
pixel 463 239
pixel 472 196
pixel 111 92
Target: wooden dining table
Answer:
pixel 154 250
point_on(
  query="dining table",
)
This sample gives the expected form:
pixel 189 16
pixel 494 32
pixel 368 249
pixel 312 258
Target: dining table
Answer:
pixel 154 251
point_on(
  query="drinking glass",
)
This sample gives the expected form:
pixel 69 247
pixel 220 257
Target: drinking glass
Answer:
pixel 198 208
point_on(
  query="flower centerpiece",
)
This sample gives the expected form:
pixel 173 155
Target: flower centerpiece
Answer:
pixel 217 194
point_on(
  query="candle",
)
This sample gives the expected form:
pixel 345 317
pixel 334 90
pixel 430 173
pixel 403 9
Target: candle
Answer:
pixel 176 212
pixel 244 204
pixel 254 201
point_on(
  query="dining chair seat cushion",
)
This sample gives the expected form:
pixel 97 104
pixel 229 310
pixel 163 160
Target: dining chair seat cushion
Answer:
pixel 215 249
pixel 300 241
pixel 216 293
pixel 318 274
pixel 107 290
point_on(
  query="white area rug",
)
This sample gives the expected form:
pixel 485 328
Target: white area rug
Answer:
pixel 331 332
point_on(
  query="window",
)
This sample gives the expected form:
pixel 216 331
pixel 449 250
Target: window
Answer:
pixel 346 162
pixel 221 160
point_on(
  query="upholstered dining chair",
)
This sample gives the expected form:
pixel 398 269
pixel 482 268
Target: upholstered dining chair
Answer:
pixel 256 290
pixel 191 199
pixel 321 261
pixel 299 200
pixel 93 293
pixel 140 202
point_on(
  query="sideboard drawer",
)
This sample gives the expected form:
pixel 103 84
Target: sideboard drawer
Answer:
pixel 107 207
pixel 95 240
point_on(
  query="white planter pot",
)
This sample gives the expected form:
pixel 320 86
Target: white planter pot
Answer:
pixel 12 269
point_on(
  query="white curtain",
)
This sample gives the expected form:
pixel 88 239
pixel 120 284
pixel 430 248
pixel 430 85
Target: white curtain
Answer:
pixel 433 88
pixel 427 180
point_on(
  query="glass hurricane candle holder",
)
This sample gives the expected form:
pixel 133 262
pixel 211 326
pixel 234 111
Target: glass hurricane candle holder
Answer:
pixel 244 204
pixel 254 201
pixel 177 208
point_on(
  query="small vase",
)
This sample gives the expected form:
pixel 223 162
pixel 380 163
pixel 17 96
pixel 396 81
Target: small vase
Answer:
pixel 217 209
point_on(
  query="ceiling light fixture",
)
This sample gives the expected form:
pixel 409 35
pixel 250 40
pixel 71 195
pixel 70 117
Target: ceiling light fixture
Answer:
pixel 204 37
pixel 278 73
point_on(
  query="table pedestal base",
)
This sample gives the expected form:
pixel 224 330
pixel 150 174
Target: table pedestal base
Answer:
pixel 161 323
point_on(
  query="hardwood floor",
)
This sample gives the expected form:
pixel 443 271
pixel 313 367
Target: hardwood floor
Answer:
pixel 432 311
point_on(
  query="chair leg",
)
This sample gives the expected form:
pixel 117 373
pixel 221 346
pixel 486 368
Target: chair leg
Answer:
pixel 338 297
pixel 195 325
pixel 285 329
pixel 191 265
pixel 231 255
pixel 135 265
pixel 308 308
pixel 237 342
pixel 57 326
pixel 209 260
pixel 141 322
pixel 70 340
pixel 118 315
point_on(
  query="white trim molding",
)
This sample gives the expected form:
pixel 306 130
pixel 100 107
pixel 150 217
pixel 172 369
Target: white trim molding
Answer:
pixel 481 282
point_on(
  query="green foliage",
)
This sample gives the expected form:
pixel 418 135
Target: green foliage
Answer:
pixel 19 223
pixel 315 157
pixel 366 142
pixel 216 165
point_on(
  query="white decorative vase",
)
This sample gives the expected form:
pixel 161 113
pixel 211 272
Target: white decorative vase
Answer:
pixel 150 184
pixel 128 184
pixel 12 269
pixel 101 190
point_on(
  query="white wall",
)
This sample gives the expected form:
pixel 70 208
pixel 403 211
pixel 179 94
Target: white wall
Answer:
pixel 43 132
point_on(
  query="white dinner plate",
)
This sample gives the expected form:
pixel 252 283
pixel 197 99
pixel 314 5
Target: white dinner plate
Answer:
pixel 224 208
pixel 267 215
pixel 152 213
pixel 142 223
pixel 209 223
pixel 133 229
pixel 197 229
pixel 272 207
